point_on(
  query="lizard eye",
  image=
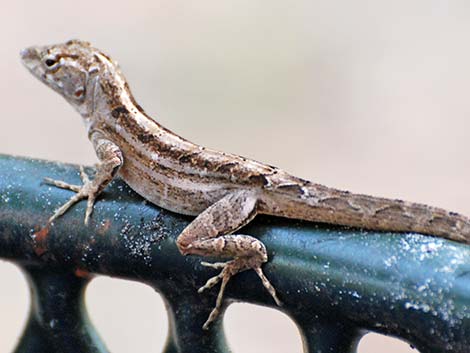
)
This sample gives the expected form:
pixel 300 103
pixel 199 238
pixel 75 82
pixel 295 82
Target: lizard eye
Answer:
pixel 50 62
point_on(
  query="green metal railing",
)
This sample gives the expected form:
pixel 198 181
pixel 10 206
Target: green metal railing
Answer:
pixel 337 284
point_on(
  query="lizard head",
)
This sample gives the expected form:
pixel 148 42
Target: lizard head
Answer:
pixel 69 69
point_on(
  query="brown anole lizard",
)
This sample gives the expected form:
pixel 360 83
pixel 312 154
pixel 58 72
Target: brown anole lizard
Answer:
pixel 223 190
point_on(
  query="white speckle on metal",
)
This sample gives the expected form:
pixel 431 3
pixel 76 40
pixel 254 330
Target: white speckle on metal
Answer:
pixel 418 306
pixel 391 261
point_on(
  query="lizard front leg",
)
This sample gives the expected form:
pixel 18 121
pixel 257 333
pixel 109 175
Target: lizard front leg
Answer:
pixel 210 234
pixel 111 159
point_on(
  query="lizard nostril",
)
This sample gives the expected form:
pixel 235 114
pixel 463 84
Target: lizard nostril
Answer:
pixel 26 53
pixel 29 55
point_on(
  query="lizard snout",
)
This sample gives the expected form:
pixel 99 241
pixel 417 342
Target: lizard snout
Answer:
pixel 29 56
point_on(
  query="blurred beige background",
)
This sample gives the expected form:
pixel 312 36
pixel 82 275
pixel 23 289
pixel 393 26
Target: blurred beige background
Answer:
pixel 371 96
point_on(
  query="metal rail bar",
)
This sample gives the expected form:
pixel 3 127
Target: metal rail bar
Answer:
pixel 336 283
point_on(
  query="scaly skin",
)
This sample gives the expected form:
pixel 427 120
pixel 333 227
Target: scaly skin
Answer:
pixel 223 190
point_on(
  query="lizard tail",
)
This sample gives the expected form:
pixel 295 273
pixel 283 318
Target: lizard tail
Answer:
pixel 300 199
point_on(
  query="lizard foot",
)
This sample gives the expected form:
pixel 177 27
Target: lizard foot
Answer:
pixel 229 269
pixel 87 190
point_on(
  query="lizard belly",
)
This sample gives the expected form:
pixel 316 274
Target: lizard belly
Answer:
pixel 183 196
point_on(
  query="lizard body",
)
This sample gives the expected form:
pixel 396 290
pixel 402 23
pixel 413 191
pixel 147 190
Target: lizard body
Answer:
pixel 223 190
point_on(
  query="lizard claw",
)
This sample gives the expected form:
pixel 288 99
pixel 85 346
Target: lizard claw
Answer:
pixel 229 269
pixel 61 184
pixel 87 190
pixel 211 282
pixel 216 265
pixel 84 175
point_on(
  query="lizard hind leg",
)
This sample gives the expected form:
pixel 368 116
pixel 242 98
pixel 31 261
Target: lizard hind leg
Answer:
pixel 252 256
pixel 210 235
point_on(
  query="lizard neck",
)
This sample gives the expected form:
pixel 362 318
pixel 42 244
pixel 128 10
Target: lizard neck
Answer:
pixel 108 96
pixel 106 89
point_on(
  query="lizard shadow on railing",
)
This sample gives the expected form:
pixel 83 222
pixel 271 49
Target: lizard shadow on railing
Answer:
pixel 405 285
